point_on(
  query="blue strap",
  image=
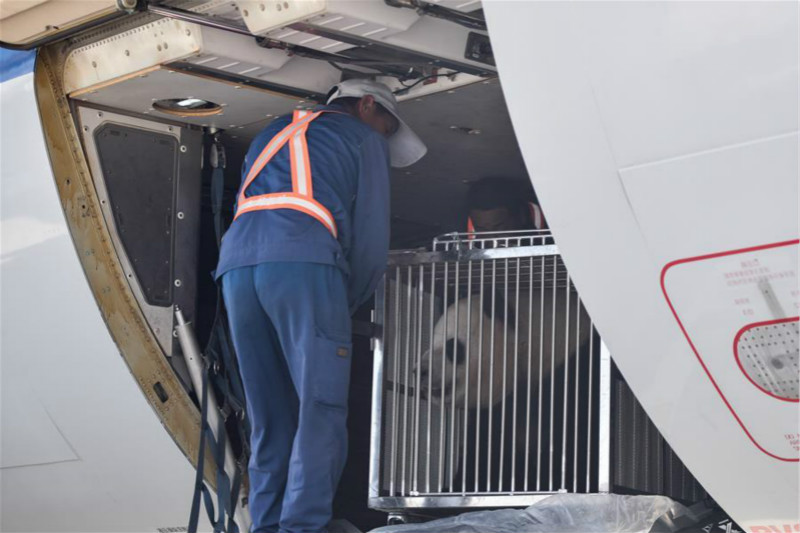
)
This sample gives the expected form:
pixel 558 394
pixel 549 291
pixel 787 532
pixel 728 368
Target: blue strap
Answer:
pixel 227 381
pixel 217 187
pixel 225 496
pixel 199 485
pixel 236 485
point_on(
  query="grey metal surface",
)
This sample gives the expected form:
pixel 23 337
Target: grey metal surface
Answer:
pixel 642 461
pixel 197 18
pixel 448 501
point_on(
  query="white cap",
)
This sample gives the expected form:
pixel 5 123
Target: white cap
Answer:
pixel 405 147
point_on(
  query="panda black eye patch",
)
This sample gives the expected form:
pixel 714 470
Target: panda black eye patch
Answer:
pixel 455 351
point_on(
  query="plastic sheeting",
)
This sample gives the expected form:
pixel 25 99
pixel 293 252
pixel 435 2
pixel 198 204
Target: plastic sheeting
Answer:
pixel 561 513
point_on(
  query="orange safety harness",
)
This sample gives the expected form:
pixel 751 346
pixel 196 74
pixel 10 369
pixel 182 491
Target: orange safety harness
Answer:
pixel 302 196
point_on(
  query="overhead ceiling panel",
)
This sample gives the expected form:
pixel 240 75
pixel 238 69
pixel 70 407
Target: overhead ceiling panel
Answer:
pixel 244 108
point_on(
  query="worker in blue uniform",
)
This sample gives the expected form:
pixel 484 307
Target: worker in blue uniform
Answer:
pixel 307 247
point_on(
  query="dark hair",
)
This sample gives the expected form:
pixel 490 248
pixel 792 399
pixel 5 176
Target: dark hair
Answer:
pixel 493 193
pixel 350 104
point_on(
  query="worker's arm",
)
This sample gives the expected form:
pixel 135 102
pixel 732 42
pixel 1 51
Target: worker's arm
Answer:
pixel 369 245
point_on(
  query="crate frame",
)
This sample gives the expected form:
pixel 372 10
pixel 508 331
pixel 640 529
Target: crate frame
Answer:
pixel 461 248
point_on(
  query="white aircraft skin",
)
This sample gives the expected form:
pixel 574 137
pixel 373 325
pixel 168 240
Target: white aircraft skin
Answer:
pixel 662 141
pixel 81 448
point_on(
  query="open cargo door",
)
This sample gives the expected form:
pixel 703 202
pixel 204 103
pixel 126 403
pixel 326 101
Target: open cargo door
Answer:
pixel 28 24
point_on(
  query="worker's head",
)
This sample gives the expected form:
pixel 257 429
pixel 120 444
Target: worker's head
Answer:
pixel 498 204
pixel 374 104
pixel 371 113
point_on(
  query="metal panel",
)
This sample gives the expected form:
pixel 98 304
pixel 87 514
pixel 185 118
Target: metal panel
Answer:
pixel 246 110
pixel 141 191
pixel 180 212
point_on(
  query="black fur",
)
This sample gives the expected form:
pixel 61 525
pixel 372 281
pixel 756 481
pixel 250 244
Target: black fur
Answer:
pixel 455 351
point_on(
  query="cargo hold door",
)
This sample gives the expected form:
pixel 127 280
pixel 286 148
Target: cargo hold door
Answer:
pixel 26 24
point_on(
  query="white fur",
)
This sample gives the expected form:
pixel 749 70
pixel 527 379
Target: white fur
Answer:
pixel 503 341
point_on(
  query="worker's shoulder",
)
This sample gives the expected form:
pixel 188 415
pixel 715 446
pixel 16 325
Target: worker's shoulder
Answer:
pixel 335 122
pixel 345 122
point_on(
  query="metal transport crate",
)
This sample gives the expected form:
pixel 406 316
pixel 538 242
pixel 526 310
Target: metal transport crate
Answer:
pixel 492 388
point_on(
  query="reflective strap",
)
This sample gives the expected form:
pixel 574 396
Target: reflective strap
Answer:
pixel 272 148
pixel 302 196
pixel 298 154
pixel 287 200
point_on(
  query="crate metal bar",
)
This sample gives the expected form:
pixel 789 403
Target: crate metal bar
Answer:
pixel 430 383
pixel 453 390
pixel 541 372
pixel 505 378
pixel 552 365
pixel 528 381
pixel 376 421
pixel 565 407
pixel 575 438
pixel 417 375
pixel 395 371
pixel 491 378
pixel 467 383
pixel 451 501
pixel 604 436
pixel 516 381
pixel 441 404
pixel 480 369
pixel 404 436
pixel 589 409
pixel 405 258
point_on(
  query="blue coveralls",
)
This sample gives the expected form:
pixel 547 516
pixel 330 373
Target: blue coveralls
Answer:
pixel 290 287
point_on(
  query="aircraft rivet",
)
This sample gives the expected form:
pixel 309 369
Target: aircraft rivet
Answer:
pixel 183 148
pixel 180 215
pixel 177 283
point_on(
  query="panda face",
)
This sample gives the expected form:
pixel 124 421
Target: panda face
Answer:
pixel 479 361
pixel 465 365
